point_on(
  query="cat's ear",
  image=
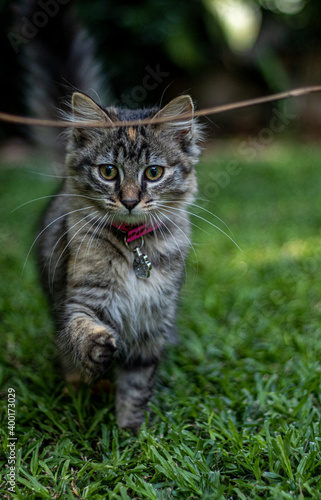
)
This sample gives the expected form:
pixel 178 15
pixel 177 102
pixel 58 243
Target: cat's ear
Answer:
pixel 179 116
pixel 181 125
pixel 85 109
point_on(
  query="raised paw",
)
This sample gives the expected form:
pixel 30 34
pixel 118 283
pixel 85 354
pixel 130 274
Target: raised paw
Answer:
pixel 100 347
pixel 93 347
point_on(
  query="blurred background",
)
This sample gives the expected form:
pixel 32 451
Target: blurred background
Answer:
pixel 219 51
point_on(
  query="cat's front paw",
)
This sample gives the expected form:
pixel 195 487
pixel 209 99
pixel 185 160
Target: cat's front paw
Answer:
pixel 93 347
pixel 99 351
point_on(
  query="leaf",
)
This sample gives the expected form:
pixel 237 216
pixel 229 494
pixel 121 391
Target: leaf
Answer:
pixel 237 439
pixel 33 484
pixel 284 457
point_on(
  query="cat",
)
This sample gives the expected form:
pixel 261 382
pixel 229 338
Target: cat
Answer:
pixel 114 240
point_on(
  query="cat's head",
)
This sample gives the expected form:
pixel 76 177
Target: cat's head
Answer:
pixel 133 172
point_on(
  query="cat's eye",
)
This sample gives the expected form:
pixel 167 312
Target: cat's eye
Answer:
pixel 154 173
pixel 108 172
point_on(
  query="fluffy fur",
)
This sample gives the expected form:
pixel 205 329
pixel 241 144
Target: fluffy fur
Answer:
pixel 106 315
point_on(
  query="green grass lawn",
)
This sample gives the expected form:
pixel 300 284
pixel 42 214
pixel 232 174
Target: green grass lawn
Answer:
pixel 237 406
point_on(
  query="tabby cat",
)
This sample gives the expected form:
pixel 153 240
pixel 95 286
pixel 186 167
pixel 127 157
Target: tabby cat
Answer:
pixel 114 240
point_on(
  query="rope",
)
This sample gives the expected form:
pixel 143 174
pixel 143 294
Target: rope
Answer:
pixel 7 117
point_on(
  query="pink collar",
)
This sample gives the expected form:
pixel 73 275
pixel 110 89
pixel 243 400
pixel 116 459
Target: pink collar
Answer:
pixel 135 232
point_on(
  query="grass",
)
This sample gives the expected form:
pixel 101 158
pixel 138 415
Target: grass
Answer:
pixel 237 408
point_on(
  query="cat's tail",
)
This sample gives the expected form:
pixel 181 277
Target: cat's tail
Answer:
pixel 59 58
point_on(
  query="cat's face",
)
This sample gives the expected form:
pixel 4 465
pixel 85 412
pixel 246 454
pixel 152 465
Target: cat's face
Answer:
pixel 134 173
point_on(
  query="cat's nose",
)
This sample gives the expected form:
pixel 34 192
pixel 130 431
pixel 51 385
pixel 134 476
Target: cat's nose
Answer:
pixel 130 204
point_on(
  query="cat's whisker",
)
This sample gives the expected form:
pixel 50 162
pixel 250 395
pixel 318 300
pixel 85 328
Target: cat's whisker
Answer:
pixel 103 224
pixel 192 213
pixel 50 257
pixel 178 227
pixel 190 244
pixel 46 227
pixel 163 233
pixel 92 236
pixel 55 196
pixel 95 234
pixel 152 221
pixel 83 239
pixel 70 241
pixel 55 176
pixel 181 217
pixel 110 224
pixel 164 207
pixel 199 198
pixel 159 221
pixel 212 214
pixel 78 250
pixel 173 237
pixel 201 208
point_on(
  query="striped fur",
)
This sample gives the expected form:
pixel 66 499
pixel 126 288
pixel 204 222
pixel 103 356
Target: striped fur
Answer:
pixel 105 315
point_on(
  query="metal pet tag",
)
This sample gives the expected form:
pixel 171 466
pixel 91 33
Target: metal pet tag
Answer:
pixel 141 265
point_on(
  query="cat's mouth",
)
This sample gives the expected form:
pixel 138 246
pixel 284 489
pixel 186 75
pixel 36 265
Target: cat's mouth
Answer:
pixel 133 214
pixel 131 219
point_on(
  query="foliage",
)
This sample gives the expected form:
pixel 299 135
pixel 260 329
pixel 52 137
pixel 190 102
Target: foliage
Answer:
pixel 237 408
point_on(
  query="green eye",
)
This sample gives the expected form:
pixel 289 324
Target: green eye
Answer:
pixel 108 172
pixel 154 173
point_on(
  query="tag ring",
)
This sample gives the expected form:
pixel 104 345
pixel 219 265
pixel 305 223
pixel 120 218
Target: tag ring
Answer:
pixel 136 246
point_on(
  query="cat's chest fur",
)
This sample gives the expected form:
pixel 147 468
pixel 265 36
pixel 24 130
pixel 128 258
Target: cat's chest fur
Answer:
pixel 142 310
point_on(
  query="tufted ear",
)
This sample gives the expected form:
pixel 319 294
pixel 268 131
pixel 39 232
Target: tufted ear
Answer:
pixel 85 109
pixel 184 129
pixel 177 108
